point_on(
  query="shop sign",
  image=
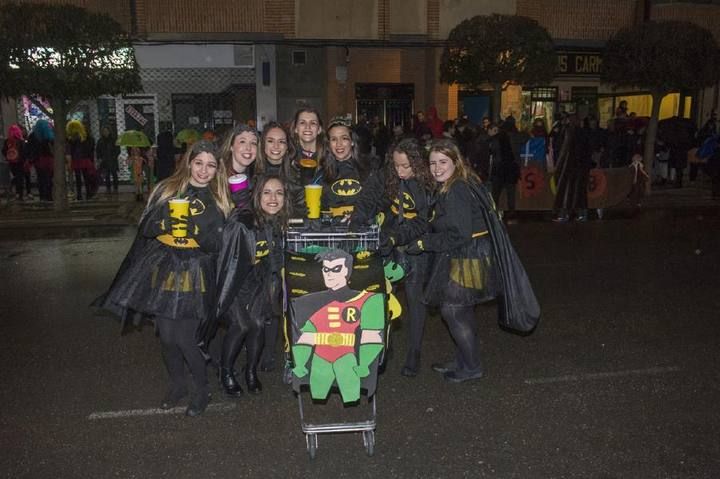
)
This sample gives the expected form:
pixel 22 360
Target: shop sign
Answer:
pixel 576 63
pixel 136 115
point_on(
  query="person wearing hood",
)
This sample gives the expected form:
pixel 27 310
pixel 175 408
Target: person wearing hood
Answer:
pixel 434 122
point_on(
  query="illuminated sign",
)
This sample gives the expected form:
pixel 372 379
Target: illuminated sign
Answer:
pixel 575 63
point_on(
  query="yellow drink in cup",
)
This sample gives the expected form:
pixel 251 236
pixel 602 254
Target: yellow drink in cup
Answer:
pixel 179 208
pixel 313 194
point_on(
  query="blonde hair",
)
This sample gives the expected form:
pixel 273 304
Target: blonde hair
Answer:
pixel 462 170
pixel 178 183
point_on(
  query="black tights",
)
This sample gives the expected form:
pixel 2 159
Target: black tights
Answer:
pixel 462 323
pixel 272 329
pixel 80 176
pixel 243 330
pixel 179 346
pixel 417 312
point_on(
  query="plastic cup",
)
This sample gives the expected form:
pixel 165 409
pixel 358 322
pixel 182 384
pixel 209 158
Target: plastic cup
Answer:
pixel 238 182
pixel 313 193
pixel 180 209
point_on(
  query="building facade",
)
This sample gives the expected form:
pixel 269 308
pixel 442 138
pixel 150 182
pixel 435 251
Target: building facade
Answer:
pixel 207 65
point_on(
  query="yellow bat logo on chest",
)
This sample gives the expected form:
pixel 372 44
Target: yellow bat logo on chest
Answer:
pixel 346 187
pixel 408 206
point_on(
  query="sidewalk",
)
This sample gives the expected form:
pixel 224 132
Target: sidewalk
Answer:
pixel 113 209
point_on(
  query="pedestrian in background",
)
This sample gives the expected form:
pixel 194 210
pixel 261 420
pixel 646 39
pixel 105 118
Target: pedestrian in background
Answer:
pixel 138 165
pixel 80 152
pixel 14 152
pixel 165 155
pixel 504 169
pixel 572 173
pixel 107 152
pixel 40 149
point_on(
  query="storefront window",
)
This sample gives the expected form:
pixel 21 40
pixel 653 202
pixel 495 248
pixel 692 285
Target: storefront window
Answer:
pixel 538 103
pixel 641 105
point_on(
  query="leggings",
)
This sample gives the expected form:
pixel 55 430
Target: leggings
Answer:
pixel 243 330
pixel 272 328
pixel 462 323
pixel 417 313
pixel 80 176
pixel 179 347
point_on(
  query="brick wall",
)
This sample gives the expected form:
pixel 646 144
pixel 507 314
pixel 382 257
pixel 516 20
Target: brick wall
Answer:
pixel 580 19
pixel 706 16
pixel 215 16
pixel 433 18
pixel 280 17
pixel 383 19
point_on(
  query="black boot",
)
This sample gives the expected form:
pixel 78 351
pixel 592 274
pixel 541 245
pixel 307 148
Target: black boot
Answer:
pixel 251 380
pixel 412 364
pixel 173 397
pixel 199 402
pixel 229 383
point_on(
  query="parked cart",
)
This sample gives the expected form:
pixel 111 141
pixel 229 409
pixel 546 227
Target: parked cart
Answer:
pixel 337 332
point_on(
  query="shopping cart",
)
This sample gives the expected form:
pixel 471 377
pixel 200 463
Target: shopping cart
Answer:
pixel 303 276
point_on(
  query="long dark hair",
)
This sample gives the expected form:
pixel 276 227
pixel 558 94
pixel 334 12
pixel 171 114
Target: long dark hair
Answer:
pixel 319 142
pixel 329 163
pixel 418 162
pixel 261 218
pixel 262 164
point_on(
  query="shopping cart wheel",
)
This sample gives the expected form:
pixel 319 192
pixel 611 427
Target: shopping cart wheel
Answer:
pixel 369 442
pixel 312 444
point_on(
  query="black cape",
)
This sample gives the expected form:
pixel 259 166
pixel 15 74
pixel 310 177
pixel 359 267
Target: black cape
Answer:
pixel 518 308
pixel 236 259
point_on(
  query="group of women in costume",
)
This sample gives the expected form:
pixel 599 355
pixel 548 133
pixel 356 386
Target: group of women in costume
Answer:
pixel 432 227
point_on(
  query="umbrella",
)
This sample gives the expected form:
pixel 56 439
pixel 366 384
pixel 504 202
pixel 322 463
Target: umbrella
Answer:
pixel 133 138
pixel 187 135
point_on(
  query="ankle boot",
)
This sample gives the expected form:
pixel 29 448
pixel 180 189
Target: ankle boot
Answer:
pixel 199 402
pixel 251 380
pixel 173 397
pixel 229 383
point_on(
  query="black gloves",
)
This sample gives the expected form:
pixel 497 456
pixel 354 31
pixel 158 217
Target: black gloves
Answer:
pixel 416 247
pixel 387 243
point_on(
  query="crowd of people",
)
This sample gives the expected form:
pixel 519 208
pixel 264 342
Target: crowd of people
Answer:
pixel 223 275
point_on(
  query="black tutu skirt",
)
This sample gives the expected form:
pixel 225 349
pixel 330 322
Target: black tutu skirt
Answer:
pixel 159 280
pixel 463 277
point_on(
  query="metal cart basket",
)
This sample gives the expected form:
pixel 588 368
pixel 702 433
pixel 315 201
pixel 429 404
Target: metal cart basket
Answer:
pixel 301 246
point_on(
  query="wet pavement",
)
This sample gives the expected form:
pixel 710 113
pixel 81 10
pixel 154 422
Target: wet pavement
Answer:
pixel 618 381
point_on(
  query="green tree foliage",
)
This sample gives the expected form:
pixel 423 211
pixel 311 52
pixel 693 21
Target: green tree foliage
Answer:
pixel 64 54
pixel 662 57
pixel 496 49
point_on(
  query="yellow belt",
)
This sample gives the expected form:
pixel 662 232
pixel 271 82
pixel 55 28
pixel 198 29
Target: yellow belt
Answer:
pixel 341 210
pixel 479 234
pixel 173 242
pixel 334 340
